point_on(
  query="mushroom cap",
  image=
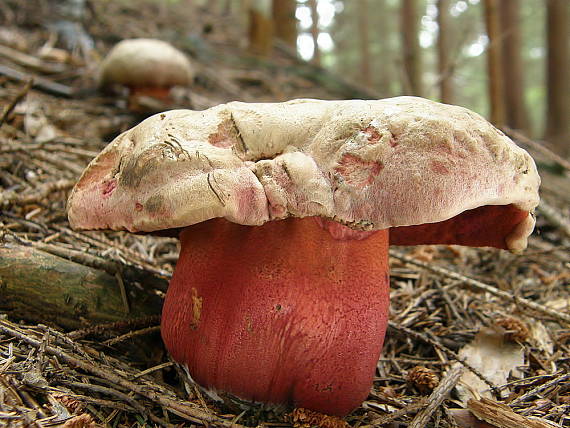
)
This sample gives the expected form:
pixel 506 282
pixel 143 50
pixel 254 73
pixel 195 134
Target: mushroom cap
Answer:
pixel 369 165
pixel 145 63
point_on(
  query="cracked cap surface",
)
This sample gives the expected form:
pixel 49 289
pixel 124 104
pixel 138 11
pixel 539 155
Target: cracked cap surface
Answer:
pixel 369 165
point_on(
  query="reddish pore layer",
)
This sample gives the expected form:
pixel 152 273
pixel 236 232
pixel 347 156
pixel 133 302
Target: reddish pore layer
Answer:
pixel 158 92
pixel 281 313
pixel 486 226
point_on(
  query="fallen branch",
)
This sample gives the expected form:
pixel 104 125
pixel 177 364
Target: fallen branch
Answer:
pixel 39 82
pixel 30 61
pixel 148 276
pixel 40 287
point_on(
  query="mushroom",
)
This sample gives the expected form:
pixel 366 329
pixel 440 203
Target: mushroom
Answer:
pixel 147 67
pixel 281 291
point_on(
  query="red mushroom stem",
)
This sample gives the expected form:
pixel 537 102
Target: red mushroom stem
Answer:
pixel 158 93
pixel 281 313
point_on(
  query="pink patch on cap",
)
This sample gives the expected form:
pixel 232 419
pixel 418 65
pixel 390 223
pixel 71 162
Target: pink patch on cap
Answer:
pixel 226 135
pixel 108 187
pixel 372 134
pixel 439 167
pixel 357 171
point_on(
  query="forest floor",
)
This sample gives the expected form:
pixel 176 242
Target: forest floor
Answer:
pixel 474 334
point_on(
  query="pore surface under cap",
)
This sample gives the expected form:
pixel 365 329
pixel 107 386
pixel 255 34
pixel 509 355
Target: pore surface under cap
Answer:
pixel 370 165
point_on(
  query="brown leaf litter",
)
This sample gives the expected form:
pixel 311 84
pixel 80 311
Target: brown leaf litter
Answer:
pixel 117 373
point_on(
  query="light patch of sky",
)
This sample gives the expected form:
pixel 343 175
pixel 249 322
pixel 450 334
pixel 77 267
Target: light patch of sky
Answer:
pixel 478 46
pixel 536 52
pixel 326 10
pixel 325 42
pixel 305 46
pixel 428 30
pixel 458 8
pixel 338 6
pixel 303 15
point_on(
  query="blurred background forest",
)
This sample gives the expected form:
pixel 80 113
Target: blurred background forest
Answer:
pixel 506 59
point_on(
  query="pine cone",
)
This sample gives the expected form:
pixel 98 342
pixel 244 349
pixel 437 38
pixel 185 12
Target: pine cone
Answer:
pixel 423 378
pixel 515 329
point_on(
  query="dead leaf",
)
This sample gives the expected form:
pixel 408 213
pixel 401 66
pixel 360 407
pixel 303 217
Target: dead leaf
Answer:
pixel 465 419
pixel 493 357
pixel 541 336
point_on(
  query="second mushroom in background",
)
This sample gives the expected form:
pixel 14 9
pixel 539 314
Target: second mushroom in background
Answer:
pixel 285 212
pixel 149 69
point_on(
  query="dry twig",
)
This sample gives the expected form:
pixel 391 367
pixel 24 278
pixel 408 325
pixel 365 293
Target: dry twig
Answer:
pixel 19 96
pixel 502 416
pixel 437 396
pixel 153 394
pixel 478 285
pixel 555 217
pixel 537 390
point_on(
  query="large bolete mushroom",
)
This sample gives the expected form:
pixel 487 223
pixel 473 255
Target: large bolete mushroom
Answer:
pixel 281 291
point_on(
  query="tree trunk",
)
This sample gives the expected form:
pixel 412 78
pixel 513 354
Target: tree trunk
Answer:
pixel 513 74
pixel 315 32
pixel 411 48
pixel 364 40
pixel 285 21
pixel 343 46
pixel 42 288
pixel 494 64
pixel 443 49
pixel 383 62
pixel 558 83
pixel 260 28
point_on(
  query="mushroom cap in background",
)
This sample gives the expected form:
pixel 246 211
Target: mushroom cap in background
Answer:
pixel 369 165
pixel 145 63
